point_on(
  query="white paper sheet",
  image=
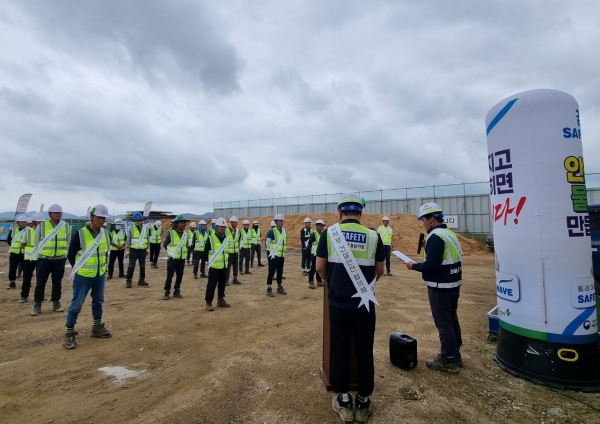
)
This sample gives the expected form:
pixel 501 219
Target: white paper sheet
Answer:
pixel 402 256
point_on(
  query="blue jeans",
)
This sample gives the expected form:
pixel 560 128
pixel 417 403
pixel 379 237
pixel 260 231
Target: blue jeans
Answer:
pixel 81 287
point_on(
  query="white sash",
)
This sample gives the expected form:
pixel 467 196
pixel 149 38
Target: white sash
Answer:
pixel 87 254
pixel 447 237
pixel 364 290
pixel 218 253
pixel 245 238
pixel 274 252
pixel 388 231
pixel 46 239
pixel 19 237
pixel 141 237
pixel 256 240
pixel 173 253
pixel 118 236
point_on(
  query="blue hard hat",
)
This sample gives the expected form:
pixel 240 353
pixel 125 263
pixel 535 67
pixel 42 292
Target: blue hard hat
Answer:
pixel 137 216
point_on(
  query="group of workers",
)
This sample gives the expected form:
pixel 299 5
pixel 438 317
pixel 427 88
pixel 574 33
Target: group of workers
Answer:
pixel 347 258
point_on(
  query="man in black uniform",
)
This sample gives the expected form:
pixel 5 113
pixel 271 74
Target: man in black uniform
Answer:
pixel 349 258
pixel 442 273
pixel 304 241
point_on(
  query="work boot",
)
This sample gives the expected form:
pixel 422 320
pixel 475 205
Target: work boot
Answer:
pixel 70 341
pixel 283 277
pixel 226 282
pixel 121 275
pixel 23 299
pixel 195 276
pixel 241 272
pixel 311 285
pixel 280 290
pixel 209 307
pixel 166 296
pixel 344 409
pixel 457 359
pixel 248 272
pixel 37 309
pixel 177 294
pixel 304 272
pixel 442 364
pixel 203 275
pixel 363 410
pixel 128 284
pixel 222 303
pixel 141 282
pixel 270 292
pixel 320 284
pixel 100 331
pixel 109 276
pixel 236 281
pixel 12 285
pixel 389 274
pixel 57 307
pixel 260 265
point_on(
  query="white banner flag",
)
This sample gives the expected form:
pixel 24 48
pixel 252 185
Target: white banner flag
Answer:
pixel 42 208
pixel 147 209
pixel 23 204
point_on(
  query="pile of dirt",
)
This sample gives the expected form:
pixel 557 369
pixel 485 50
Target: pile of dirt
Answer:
pixel 406 230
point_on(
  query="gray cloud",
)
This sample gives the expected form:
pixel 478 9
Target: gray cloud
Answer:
pixel 270 183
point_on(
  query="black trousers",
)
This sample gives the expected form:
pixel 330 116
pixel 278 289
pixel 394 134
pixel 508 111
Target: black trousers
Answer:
pixel 28 268
pixel 45 268
pixel 199 259
pixel 233 263
pixel 174 267
pixel 216 279
pixel 444 303
pixel 313 269
pixel 357 324
pixel 154 252
pixel 190 251
pixel 14 260
pixel 114 255
pixel 305 264
pixel 275 265
pixel 244 256
pixel 140 256
pixel 255 249
pixel 387 250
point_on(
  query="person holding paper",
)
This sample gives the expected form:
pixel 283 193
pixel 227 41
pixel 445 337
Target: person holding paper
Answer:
pixel 442 273
pixel 87 256
pixel 176 243
pixel 137 245
pixel 17 254
pixel 215 253
pixel 350 259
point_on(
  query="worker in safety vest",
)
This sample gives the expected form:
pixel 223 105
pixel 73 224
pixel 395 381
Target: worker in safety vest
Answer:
pixel 155 239
pixel 51 240
pixel 256 241
pixel 30 262
pixel 304 242
pixel 17 253
pixel 201 236
pixel 137 250
pixel 313 242
pixel 386 233
pixel 87 255
pixel 442 273
pixel 118 239
pixel 277 242
pixel 191 242
pixel 176 243
pixel 215 254
pixel 233 248
pixel 245 247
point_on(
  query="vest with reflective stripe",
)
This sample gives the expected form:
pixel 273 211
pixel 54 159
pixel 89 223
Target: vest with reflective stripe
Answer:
pixel 182 254
pixel 200 241
pixel 243 233
pixel 16 246
pixel 221 261
pixel 313 249
pixel 255 236
pixel 96 264
pixel 57 246
pixel 386 234
pixel 135 237
pixel 120 240
pixel 155 234
pixel 451 269
pixel 29 238
pixel 190 238
pixel 363 252
pixel 283 247
pixel 234 241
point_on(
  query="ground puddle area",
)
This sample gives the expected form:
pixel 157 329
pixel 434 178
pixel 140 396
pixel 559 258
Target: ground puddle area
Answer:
pixel 120 373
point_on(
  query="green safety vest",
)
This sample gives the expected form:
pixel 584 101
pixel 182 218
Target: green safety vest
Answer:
pixel 200 241
pixel 29 238
pixel 222 259
pixel 175 238
pixel 386 234
pixel 155 234
pixel 95 266
pixel 248 244
pixel 120 240
pixel 16 247
pixel 450 258
pixel 135 236
pixel 58 246
pixel 255 236
pixel 313 249
pixel 283 248
pixel 233 246
pixel 364 257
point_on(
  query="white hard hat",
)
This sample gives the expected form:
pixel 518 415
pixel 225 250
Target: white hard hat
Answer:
pixel 99 210
pixel 104 225
pixel 278 217
pixel 29 220
pixel 430 208
pixel 246 222
pixel 55 208
pixel 37 217
pixel 320 222
pixel 307 220
pixel 118 221
pixel 385 218
pixel 202 222
pixel 221 222
pixel 157 223
pixel 272 223
pixel 193 225
pixel 233 219
pixel 21 218
pixel 255 223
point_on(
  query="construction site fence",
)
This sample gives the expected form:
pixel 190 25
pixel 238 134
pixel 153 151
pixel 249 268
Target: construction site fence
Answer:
pixel 467 203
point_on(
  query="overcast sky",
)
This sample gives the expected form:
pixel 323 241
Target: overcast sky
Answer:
pixel 186 102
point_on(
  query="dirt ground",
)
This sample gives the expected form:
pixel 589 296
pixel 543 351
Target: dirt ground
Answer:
pixel 256 362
